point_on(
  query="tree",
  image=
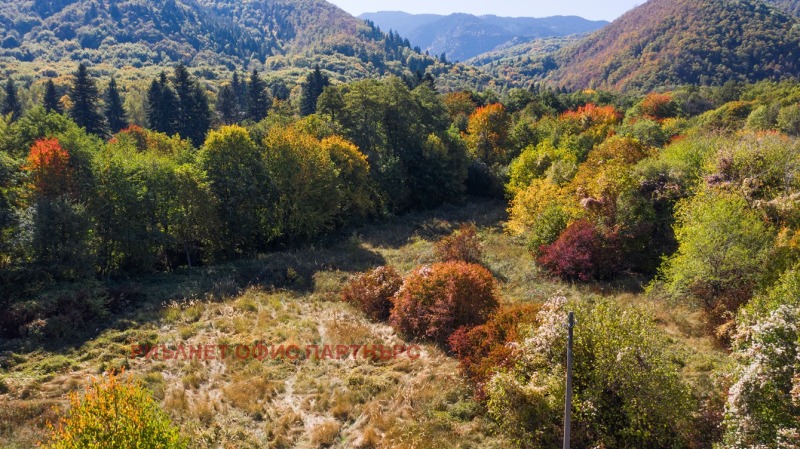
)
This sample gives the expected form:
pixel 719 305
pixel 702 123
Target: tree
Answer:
pixel 239 86
pixel 115 111
pixel 312 88
pixel 114 412
pixel 239 179
pixel 488 134
pixel 162 106
pixel 11 104
pixel 723 250
pixel 227 106
pixel 85 99
pixel 194 114
pixel 258 101
pixel 51 101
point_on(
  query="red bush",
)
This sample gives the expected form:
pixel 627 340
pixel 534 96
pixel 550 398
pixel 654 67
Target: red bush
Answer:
pixel 481 350
pixel 372 292
pixel 435 301
pixel 658 107
pixel 463 245
pixel 582 253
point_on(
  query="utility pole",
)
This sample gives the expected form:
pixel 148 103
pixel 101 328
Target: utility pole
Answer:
pixel 568 402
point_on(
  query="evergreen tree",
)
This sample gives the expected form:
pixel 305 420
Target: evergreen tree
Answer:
pixel 239 86
pixel 194 113
pixel 162 106
pixel 312 88
pixel 85 100
pixel 51 100
pixel 258 101
pixel 227 105
pixel 11 103
pixel 115 111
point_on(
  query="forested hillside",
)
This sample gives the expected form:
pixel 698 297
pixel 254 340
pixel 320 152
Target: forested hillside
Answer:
pixel 666 42
pixel 215 36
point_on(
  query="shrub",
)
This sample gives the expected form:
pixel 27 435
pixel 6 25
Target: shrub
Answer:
pixel 582 252
pixel 764 403
pixel 723 247
pixel 627 390
pixel 483 350
pixel 114 413
pixel 462 246
pixel 436 300
pixel 373 291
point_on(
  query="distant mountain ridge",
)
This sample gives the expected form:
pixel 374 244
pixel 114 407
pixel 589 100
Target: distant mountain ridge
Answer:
pixel 464 36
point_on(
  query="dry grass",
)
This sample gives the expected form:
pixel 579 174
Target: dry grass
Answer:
pixel 292 297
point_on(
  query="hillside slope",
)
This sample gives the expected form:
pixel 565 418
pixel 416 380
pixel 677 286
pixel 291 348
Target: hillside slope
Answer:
pixel 665 42
pixel 211 33
pixel 790 6
pixel 464 36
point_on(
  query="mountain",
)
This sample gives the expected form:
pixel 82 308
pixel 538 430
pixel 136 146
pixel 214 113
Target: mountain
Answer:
pixel 464 36
pixel 273 34
pixel 667 42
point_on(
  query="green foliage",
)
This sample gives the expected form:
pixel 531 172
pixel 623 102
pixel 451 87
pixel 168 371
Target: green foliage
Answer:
pixel 240 180
pixel 723 250
pixel 11 104
pixel 627 389
pixel 115 113
pixel 114 412
pixel 258 100
pixel 305 177
pixel 311 89
pixel 789 120
pixel 85 99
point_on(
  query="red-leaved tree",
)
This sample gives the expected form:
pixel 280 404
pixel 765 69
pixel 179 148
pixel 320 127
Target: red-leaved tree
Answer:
pixel 582 253
pixel 48 163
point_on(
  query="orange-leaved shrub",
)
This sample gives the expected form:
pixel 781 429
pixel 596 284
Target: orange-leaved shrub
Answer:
pixel 436 300
pixel 463 245
pixel 582 253
pixel 482 350
pixel 114 412
pixel 373 291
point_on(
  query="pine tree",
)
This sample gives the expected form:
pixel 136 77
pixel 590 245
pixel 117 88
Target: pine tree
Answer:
pixel 11 103
pixel 258 101
pixel 162 106
pixel 115 111
pixel 51 101
pixel 227 106
pixel 312 88
pixel 239 86
pixel 85 100
pixel 193 109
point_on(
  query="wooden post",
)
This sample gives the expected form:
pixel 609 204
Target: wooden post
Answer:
pixel 568 401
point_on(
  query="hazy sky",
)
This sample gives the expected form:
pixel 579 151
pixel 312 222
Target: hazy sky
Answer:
pixel 590 9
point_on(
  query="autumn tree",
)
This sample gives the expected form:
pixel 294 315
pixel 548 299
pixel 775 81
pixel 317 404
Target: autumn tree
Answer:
pixel 488 134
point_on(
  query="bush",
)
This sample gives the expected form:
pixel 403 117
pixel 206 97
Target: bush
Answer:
pixel 627 390
pixel 114 413
pixel 372 292
pixel 723 248
pixel 483 350
pixel 583 253
pixel 462 246
pixel 764 403
pixel 436 300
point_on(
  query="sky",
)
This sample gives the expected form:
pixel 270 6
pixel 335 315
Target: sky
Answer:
pixel 589 9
